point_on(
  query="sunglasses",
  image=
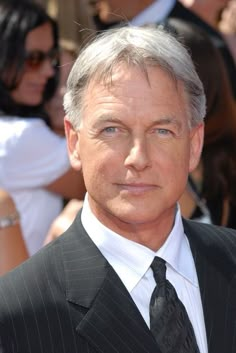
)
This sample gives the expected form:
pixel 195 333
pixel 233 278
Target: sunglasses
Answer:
pixel 34 59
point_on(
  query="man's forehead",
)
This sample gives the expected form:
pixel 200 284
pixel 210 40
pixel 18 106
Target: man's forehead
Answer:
pixel 124 73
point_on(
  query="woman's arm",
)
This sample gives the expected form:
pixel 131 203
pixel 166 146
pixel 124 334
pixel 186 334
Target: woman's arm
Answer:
pixel 12 247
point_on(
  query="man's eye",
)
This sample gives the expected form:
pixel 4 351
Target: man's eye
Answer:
pixel 110 129
pixel 163 131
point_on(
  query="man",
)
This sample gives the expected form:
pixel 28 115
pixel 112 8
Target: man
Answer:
pixel 143 12
pixel 134 125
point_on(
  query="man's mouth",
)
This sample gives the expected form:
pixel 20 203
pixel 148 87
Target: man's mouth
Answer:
pixel 139 188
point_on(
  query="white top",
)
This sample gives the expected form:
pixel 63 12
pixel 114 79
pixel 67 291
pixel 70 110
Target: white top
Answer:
pixel 155 13
pixel 31 157
pixel 132 261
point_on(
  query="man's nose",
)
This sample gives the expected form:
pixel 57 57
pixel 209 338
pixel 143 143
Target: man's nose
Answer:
pixel 139 155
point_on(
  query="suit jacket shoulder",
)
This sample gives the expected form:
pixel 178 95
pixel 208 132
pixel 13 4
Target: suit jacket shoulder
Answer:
pixel 217 243
pixel 214 253
pixel 67 298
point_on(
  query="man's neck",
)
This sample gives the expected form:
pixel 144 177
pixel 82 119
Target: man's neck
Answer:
pixel 151 234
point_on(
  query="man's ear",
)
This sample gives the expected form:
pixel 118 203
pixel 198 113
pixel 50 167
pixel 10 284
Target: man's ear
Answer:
pixel 196 144
pixel 72 138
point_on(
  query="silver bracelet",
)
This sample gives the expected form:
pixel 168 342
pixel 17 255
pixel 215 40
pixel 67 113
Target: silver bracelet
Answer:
pixel 9 220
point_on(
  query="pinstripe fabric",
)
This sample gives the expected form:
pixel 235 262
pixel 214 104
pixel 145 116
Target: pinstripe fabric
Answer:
pixel 67 298
pixel 214 251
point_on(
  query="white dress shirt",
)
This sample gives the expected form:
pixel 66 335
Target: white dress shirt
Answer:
pixel 132 261
pixel 155 13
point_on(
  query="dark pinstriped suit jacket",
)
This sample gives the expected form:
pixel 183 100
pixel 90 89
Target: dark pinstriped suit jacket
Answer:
pixel 67 298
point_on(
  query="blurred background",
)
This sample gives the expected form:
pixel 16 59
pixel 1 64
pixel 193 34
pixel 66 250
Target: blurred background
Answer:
pixel 73 16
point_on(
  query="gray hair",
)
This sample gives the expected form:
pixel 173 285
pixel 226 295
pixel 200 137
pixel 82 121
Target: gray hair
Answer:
pixel 140 46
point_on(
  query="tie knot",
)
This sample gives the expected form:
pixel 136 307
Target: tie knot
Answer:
pixel 158 267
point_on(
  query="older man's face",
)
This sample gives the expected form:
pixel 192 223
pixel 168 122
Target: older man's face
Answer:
pixel 135 148
pixel 110 11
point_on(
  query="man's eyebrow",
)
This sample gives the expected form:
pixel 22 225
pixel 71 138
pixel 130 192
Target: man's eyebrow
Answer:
pixel 168 121
pixel 106 118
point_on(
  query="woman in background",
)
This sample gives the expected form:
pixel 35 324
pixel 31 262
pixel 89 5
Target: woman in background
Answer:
pixel 34 165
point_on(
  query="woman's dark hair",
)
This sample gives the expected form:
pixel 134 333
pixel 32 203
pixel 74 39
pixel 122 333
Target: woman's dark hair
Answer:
pixel 17 19
pixel 219 151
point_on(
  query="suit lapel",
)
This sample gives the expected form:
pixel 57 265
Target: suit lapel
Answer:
pixel 214 280
pixel 107 316
pixel 207 290
pixel 115 314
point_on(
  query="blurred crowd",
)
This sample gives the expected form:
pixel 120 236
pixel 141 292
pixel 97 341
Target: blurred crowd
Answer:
pixel 40 193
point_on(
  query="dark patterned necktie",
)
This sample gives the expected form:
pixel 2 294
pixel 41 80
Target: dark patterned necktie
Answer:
pixel 169 321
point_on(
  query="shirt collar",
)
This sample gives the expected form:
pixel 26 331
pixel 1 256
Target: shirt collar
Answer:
pixel 131 260
pixel 177 253
pixel 155 13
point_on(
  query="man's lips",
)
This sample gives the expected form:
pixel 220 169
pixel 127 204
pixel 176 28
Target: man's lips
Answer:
pixel 137 188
